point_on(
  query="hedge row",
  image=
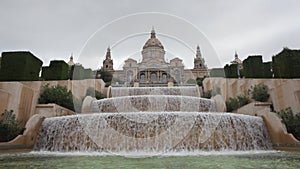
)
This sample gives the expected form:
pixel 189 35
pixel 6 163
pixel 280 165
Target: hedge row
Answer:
pixel 19 66
pixel 286 64
pixel 58 70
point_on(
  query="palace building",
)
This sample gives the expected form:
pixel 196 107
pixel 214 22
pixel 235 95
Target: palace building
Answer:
pixel 153 70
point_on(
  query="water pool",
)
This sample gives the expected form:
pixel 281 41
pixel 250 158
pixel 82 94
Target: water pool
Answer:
pixel 227 160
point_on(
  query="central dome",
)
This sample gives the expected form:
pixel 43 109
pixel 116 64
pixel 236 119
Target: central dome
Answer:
pixel 153 41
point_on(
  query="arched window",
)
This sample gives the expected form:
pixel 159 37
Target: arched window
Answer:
pixel 143 77
pixel 164 77
pixel 129 75
pixel 153 76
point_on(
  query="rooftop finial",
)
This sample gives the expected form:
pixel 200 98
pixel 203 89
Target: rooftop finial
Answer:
pixel 108 53
pixel 198 52
pixel 236 55
pixel 153 32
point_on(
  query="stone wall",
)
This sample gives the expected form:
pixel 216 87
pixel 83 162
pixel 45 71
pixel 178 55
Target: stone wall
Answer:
pixel 283 92
pixel 22 97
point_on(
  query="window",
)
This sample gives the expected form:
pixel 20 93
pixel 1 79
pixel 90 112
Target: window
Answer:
pixel 153 77
pixel 143 77
pixel 164 77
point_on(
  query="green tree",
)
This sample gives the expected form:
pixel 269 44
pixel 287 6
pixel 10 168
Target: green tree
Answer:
pixel 235 103
pixel 260 93
pixel 232 104
pixel 105 75
pixel 207 94
pixel 291 121
pixel 95 93
pixel 210 93
pixel 199 81
pixel 58 95
pixel 9 126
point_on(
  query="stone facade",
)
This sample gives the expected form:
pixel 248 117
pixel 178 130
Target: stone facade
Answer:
pixel 284 93
pixel 153 70
pixel 22 97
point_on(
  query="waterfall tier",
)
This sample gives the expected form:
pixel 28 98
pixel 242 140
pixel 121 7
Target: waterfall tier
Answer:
pixel 134 91
pixel 153 103
pixel 153 132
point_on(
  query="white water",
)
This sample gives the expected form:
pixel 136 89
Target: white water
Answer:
pixel 134 91
pixel 153 121
pixel 153 133
pixel 153 103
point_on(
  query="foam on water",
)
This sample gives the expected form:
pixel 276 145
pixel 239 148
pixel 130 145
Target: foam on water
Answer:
pixel 153 133
pixel 134 91
pixel 153 103
pixel 149 121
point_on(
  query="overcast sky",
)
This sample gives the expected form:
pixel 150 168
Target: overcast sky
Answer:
pixel 54 29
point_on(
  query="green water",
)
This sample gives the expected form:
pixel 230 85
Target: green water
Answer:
pixel 272 160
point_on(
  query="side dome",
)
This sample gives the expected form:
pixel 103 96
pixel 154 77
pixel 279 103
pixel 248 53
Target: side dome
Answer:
pixel 153 41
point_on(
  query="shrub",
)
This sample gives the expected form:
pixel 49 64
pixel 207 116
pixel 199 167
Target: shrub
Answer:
pixel 207 94
pixel 291 121
pixel 235 103
pixel 232 104
pixel 95 93
pixel 211 93
pixel 260 93
pixel 105 75
pixel 58 95
pixel 9 126
pixel 107 84
pixel 243 100
pixel 199 81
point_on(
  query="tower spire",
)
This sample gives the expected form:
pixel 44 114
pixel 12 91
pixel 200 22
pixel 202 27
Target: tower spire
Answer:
pixel 153 32
pixel 71 62
pixel 108 56
pixel 198 52
pixel 236 56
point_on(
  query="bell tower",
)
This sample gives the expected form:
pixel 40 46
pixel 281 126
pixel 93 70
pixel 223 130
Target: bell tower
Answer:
pixel 108 62
pixel 199 62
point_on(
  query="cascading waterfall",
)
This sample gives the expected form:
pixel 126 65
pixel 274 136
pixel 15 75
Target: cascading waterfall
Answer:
pixel 153 132
pixel 153 120
pixel 134 91
pixel 153 103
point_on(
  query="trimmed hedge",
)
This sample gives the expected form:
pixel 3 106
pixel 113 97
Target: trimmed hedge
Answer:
pixel 20 66
pixel 217 72
pixel 286 64
pixel 253 67
pixel 58 70
pixel 77 72
pixel 267 70
pixel 231 71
